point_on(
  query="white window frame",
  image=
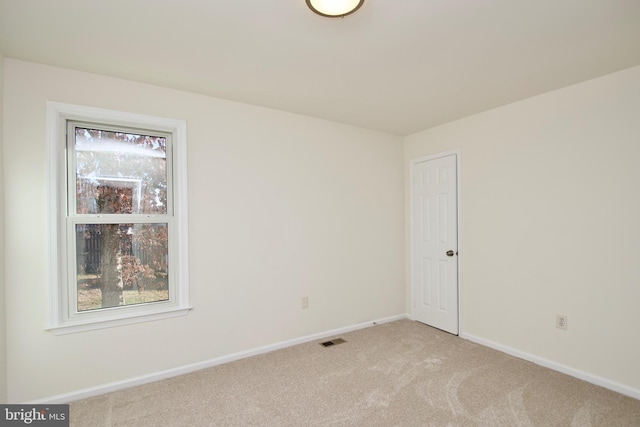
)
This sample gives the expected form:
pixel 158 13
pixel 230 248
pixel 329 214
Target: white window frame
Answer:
pixel 64 318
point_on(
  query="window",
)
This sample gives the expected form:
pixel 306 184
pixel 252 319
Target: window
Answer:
pixel 119 231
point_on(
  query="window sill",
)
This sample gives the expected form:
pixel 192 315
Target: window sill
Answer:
pixel 90 325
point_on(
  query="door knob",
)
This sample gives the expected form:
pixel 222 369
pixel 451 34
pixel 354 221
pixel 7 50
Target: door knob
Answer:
pixel 450 253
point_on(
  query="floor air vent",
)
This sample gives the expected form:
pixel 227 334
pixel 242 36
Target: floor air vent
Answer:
pixel 332 342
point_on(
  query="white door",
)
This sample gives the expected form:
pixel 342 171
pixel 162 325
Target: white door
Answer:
pixel 434 242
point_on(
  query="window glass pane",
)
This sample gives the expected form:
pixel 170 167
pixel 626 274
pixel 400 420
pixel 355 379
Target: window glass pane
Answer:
pixel 121 264
pixel 120 172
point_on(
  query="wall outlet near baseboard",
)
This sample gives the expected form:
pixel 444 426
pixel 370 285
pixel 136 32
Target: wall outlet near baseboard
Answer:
pixel 561 321
pixel 304 302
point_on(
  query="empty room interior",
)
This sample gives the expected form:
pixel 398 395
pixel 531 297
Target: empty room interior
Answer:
pixel 303 199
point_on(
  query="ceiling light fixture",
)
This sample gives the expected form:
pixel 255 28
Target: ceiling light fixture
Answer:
pixel 334 8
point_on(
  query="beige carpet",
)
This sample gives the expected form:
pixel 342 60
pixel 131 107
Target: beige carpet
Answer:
pixel 402 373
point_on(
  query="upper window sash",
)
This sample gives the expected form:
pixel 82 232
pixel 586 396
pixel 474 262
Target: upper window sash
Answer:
pixel 137 162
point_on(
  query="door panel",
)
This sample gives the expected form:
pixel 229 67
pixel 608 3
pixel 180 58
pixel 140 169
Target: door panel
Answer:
pixel 434 232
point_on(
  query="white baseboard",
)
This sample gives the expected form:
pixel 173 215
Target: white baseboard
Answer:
pixel 157 376
pixel 585 376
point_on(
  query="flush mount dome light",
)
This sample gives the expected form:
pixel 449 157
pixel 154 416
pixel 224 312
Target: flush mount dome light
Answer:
pixel 334 8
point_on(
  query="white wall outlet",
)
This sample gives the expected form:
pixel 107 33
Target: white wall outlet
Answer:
pixel 304 302
pixel 561 321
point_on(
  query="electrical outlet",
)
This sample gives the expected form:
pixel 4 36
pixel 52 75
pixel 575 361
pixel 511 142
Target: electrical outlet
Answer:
pixel 304 302
pixel 561 321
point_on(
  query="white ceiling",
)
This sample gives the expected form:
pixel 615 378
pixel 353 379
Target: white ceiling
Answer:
pixel 397 66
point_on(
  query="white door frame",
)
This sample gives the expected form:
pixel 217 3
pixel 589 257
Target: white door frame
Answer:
pixel 457 152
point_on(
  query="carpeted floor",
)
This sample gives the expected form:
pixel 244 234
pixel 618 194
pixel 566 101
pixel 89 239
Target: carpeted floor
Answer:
pixel 402 373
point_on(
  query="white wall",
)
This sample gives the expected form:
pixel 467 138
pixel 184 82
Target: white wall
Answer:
pixel 551 223
pixel 281 206
pixel 3 323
